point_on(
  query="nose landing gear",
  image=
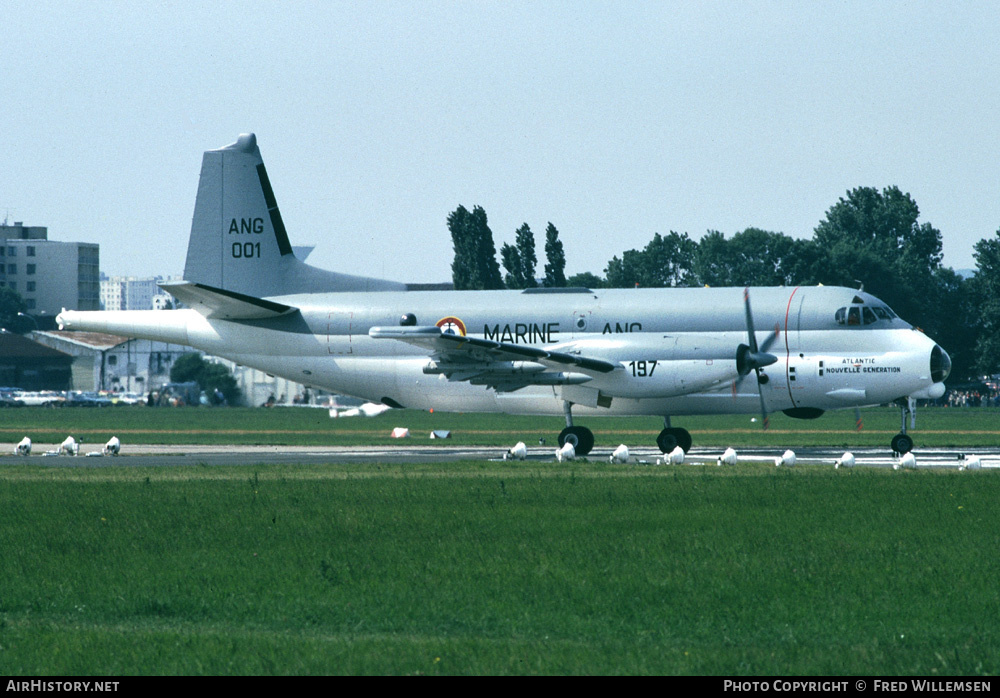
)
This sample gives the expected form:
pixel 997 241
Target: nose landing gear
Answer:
pixel 901 443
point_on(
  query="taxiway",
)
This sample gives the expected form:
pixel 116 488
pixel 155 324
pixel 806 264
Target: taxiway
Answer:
pixel 148 455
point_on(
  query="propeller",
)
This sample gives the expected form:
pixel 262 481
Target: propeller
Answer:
pixel 751 357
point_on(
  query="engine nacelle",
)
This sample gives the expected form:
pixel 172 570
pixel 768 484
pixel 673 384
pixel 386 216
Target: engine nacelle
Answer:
pixel 658 365
pixel 664 378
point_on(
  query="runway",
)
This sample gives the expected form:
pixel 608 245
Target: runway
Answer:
pixel 148 455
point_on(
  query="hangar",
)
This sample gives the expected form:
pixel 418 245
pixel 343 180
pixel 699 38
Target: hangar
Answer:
pixel 32 366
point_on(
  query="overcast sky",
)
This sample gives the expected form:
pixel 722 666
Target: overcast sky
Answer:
pixel 614 121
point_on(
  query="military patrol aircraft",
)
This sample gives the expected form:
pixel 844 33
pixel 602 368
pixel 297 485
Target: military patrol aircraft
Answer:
pixel 547 351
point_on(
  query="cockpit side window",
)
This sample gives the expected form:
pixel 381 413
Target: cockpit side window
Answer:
pixel 859 315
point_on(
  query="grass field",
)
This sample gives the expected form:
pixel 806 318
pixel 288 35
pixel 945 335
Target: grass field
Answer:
pixel 302 426
pixel 489 568
pixel 494 568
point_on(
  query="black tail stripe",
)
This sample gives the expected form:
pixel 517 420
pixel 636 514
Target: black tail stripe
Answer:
pixel 284 246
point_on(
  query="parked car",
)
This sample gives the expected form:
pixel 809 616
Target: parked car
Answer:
pixel 43 398
pixel 86 399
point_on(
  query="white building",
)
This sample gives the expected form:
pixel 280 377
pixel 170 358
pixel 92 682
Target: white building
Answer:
pixel 49 275
pixel 107 362
pixel 133 293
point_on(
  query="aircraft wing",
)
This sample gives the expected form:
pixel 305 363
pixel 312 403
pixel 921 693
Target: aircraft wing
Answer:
pixel 226 305
pixel 500 365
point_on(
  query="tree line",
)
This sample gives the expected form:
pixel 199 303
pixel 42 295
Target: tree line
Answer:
pixel 869 237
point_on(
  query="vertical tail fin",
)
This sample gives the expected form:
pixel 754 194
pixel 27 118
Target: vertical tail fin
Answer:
pixel 238 240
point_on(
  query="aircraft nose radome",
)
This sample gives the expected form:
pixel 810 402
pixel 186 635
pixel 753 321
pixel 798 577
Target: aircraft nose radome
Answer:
pixel 940 364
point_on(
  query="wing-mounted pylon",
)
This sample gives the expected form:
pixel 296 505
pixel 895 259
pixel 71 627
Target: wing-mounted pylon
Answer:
pixel 502 366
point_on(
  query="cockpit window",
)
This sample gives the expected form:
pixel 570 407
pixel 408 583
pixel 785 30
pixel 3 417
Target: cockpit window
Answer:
pixel 863 315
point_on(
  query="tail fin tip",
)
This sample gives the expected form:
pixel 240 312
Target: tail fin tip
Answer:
pixel 246 143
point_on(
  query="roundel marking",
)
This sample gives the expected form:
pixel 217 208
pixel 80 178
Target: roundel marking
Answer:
pixel 452 325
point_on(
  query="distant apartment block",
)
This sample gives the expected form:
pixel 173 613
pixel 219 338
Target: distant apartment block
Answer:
pixel 133 293
pixel 49 275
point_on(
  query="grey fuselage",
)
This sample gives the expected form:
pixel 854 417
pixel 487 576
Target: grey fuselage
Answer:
pixel 691 334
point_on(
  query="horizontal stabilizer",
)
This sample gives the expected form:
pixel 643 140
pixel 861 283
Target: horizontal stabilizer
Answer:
pixel 225 305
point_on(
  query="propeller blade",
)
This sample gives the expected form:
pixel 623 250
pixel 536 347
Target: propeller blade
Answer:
pixel 750 357
pixel 763 407
pixel 771 338
pixel 858 422
pixel 751 335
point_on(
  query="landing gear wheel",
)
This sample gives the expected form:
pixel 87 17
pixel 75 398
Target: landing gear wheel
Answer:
pixel 581 438
pixel 669 439
pixel 901 443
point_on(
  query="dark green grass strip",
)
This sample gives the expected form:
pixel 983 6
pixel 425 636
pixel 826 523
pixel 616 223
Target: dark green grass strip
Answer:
pixel 303 426
pixel 471 568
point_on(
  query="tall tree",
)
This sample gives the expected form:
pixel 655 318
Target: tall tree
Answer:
pixel 555 267
pixel 511 260
pixel 463 268
pixel 952 314
pixel 519 260
pixel 666 261
pixel 475 263
pixel 526 253
pixel 874 237
pixel 11 308
pixel 209 376
pixel 754 257
pixel 985 292
pixel 711 264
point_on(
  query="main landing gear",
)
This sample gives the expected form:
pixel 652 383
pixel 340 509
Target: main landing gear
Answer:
pixel 901 443
pixel 583 439
pixel 670 438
